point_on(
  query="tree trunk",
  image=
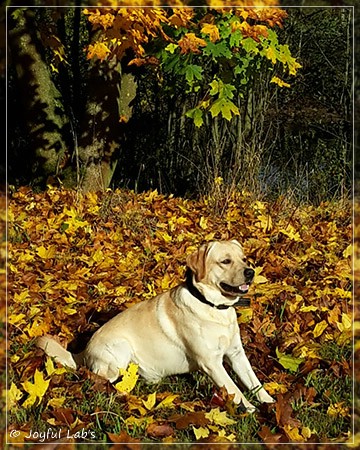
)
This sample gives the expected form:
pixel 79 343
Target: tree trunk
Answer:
pixel 44 114
pixel 107 111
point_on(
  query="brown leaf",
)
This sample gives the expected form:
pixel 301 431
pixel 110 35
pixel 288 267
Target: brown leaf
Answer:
pixel 193 418
pixel 267 436
pixel 64 416
pixel 283 412
pixel 159 430
pixel 123 441
pixel 304 393
pixel 63 444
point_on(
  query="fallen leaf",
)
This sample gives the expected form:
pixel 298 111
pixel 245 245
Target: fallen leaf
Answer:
pixel 196 418
pixel 150 402
pixel 200 432
pixel 219 417
pixel 35 390
pixel 159 430
pixel 289 362
pixel 130 377
pixel 13 395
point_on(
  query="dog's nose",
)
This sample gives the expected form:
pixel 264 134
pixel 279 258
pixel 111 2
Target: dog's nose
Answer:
pixel 249 274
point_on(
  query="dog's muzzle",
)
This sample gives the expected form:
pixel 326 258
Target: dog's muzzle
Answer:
pixel 234 290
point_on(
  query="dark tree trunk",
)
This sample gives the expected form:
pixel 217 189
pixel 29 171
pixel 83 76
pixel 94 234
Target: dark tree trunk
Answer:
pixel 44 115
pixel 101 127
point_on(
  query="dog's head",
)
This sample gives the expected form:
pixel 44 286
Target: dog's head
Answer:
pixel 220 271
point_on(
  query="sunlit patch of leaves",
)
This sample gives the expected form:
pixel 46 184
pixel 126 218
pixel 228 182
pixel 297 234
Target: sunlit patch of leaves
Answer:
pixel 75 260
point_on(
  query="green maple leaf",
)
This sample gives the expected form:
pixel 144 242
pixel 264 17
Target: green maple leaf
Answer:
pixel 197 115
pixel 289 362
pixel 250 46
pixel 235 38
pixel 224 106
pixel 217 50
pixel 193 72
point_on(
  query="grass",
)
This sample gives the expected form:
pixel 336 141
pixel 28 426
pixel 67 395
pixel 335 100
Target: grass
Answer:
pixel 329 417
pixel 109 412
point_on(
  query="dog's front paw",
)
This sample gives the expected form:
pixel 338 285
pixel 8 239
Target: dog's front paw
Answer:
pixel 264 397
pixel 246 406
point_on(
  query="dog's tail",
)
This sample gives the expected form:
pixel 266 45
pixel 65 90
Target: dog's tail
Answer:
pixel 53 349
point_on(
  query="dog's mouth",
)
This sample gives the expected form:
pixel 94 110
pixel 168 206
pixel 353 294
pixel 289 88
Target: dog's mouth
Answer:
pixel 234 291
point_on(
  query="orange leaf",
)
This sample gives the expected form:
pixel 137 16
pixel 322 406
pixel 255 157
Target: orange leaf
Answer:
pixel 190 43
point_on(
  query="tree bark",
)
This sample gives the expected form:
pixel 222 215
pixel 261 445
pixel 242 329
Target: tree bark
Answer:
pixel 101 129
pixel 43 109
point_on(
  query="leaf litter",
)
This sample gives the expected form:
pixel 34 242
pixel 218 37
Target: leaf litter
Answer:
pixel 75 260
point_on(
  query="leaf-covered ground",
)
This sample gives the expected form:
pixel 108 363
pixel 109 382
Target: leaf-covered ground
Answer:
pixel 75 260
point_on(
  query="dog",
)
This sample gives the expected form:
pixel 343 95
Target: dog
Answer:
pixel 191 327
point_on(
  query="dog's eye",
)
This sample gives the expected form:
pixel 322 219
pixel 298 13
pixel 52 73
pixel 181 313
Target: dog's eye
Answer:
pixel 226 261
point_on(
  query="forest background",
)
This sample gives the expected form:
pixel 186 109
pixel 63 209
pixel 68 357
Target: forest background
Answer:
pixel 291 140
pixel 267 158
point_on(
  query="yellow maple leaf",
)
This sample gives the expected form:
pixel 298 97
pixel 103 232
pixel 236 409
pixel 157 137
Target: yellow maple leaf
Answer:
pixel 244 14
pixel 279 82
pixel 35 390
pixel 97 256
pixel 150 402
pixel 271 54
pixel 258 279
pixel 130 377
pixel 345 324
pixel 50 369
pixel 290 232
pixel 138 421
pixel 320 328
pixel 338 409
pixel 46 253
pixel 245 315
pixel 212 31
pixel 308 308
pixel 38 327
pixel 22 297
pixel 56 402
pixel 200 432
pixel 306 432
pixel 16 319
pixel 219 417
pixel 348 251
pixel 13 395
pixel 69 311
pixel 293 66
pixel 99 49
pixel 293 433
pixel 165 282
pixel 275 388
pixel 203 223
pixel 168 401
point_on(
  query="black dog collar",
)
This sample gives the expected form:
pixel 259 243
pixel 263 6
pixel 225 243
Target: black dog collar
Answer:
pixel 196 293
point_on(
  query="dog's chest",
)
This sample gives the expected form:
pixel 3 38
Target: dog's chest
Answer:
pixel 217 336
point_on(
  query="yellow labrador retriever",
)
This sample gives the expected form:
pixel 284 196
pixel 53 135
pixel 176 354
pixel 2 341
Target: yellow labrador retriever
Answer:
pixel 193 326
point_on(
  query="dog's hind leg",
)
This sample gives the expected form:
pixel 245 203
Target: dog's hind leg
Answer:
pixel 52 348
pixel 107 360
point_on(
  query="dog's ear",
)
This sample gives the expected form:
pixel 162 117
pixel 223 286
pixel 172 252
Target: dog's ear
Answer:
pixel 234 241
pixel 197 261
